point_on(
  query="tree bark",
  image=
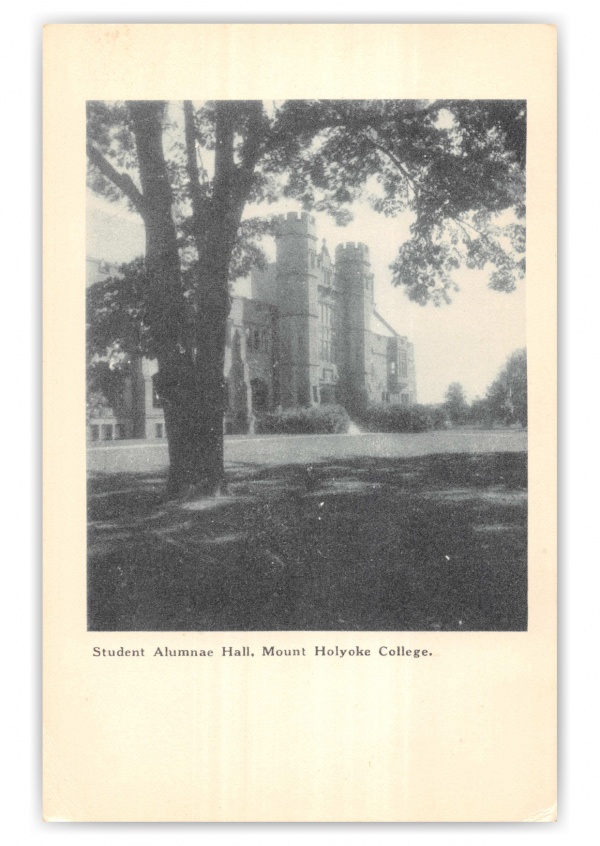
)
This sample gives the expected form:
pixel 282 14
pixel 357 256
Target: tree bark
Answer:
pixel 216 225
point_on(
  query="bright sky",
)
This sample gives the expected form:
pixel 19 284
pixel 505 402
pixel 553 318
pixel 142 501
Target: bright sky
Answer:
pixel 467 341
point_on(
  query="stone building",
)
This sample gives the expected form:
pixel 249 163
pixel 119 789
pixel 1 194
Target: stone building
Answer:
pixel 309 334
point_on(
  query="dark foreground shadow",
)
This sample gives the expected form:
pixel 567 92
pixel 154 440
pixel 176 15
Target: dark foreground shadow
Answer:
pixel 437 542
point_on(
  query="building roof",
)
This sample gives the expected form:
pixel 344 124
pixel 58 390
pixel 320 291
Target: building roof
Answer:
pixel 381 327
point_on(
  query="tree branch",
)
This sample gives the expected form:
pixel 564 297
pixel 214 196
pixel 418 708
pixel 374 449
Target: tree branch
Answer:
pixel 122 180
pixel 252 145
pixel 227 197
pixel 394 161
pixel 197 197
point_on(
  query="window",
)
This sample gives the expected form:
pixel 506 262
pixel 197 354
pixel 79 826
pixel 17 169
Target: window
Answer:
pixel 315 392
pixel 119 431
pixel 158 430
pixel 257 338
pixel 95 432
pixel 393 368
pixel 403 369
pixel 106 431
pixel 328 333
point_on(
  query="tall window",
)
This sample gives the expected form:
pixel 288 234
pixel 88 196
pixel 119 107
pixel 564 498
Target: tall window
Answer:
pixel 328 333
pixel 257 338
pixel 403 369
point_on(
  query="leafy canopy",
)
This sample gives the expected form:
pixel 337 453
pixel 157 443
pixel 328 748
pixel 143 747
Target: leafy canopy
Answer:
pixel 507 395
pixel 456 403
pixel 456 166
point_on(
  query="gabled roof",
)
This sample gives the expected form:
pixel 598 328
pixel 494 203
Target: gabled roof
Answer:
pixel 382 327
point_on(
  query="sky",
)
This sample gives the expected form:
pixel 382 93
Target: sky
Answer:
pixel 467 341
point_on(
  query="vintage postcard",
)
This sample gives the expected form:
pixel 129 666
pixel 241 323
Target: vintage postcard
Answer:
pixel 300 423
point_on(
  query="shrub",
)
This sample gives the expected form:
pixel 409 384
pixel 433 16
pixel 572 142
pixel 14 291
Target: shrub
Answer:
pixel 437 415
pixel 397 418
pixel 323 419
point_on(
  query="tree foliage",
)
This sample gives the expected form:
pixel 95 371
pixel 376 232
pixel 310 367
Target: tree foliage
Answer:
pixel 507 395
pixel 457 166
pixel 105 386
pixel 116 333
pixel 456 404
pixel 116 328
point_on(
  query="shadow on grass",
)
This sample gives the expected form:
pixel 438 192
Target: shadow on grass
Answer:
pixel 437 542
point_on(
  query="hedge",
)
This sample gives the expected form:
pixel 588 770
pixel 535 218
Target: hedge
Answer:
pixel 323 419
pixel 398 418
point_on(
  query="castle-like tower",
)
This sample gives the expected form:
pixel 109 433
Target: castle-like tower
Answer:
pixel 355 281
pixel 333 346
pixel 297 282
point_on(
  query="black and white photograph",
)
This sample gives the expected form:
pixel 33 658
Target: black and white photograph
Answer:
pixel 306 365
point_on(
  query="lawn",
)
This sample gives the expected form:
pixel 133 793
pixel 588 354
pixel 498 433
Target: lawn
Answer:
pixel 347 536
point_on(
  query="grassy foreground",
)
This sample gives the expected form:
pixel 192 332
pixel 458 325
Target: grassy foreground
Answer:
pixel 354 543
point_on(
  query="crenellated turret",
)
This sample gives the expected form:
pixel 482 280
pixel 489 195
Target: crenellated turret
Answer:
pixel 300 223
pixel 355 280
pixel 354 268
pixel 352 250
pixel 297 298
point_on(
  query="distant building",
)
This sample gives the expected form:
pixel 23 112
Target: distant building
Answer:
pixel 308 335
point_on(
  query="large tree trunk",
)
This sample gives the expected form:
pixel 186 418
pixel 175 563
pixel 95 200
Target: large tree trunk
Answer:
pixel 193 403
pixel 211 327
pixel 165 307
pixel 191 360
pixel 216 235
pixel 179 396
pixel 216 228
